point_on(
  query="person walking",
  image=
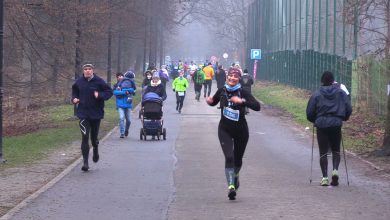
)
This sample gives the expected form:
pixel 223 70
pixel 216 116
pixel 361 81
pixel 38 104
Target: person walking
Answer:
pixel 209 74
pixel 220 77
pixel 180 85
pixel 156 87
pixel 164 76
pixel 147 79
pixel 89 93
pixel 198 79
pixel 119 77
pixel 124 92
pixel 327 108
pixel 246 82
pixel 233 131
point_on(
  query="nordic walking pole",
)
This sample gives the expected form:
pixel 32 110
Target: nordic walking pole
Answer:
pixel 312 149
pixel 345 158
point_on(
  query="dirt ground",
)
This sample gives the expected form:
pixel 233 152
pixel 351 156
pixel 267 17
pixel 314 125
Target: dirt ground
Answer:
pixel 20 182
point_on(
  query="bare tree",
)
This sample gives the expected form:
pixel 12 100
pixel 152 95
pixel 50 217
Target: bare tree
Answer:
pixel 372 17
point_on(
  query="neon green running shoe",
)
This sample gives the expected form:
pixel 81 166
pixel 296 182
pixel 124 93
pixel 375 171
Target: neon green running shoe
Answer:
pixel 335 178
pixel 232 192
pixel 325 181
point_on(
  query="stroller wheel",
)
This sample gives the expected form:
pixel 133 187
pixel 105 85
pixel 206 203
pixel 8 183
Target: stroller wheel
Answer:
pixel 164 134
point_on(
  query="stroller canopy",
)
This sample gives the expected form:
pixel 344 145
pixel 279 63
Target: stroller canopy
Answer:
pixel 151 97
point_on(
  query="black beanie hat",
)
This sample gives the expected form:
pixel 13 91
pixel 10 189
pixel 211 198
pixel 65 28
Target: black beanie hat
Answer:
pixel 327 78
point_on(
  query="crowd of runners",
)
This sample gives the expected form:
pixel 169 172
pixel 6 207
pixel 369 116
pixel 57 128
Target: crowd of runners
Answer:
pixel 327 108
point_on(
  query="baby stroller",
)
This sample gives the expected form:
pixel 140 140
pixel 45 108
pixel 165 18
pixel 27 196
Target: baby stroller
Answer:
pixel 152 122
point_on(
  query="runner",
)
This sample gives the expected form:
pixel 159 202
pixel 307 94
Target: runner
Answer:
pixel 233 132
pixel 198 78
pixel 89 93
pixel 209 74
pixel 180 85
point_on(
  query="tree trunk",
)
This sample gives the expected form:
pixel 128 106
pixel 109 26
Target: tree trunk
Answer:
pixel 386 139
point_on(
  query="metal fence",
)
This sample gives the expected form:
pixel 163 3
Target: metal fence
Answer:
pixel 300 39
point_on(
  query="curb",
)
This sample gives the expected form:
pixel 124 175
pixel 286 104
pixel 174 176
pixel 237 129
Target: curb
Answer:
pixel 48 185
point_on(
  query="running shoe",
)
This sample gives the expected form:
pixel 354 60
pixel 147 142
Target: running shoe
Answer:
pixel 232 192
pixel 95 156
pixel 335 178
pixel 122 136
pixel 126 133
pixel 85 166
pixel 325 181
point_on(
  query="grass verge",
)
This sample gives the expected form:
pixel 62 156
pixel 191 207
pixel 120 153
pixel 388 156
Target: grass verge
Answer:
pixel 363 133
pixel 63 129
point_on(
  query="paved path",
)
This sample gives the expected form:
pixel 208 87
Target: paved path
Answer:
pixel 183 177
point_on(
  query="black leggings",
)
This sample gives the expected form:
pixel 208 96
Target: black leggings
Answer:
pixel 233 141
pixel 89 126
pixel 198 90
pixel 179 100
pixel 207 87
pixel 329 138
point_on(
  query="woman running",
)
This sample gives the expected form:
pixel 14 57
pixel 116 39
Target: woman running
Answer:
pixel 233 130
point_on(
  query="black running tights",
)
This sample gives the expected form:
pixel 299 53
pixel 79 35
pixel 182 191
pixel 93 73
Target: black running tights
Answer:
pixel 329 138
pixel 89 126
pixel 179 101
pixel 233 141
pixel 207 87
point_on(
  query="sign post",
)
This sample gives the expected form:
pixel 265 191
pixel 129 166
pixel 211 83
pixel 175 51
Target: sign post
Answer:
pixel 255 55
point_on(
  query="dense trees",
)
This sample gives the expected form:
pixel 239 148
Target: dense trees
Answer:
pixel 46 41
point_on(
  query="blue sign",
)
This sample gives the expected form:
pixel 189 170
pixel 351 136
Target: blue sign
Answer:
pixel 256 54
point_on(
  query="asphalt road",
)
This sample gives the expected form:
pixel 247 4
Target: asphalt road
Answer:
pixel 183 177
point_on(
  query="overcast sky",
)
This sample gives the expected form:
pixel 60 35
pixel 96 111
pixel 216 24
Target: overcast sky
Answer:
pixel 192 42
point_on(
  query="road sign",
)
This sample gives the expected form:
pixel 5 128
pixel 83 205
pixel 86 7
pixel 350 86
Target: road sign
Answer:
pixel 256 54
pixel 254 70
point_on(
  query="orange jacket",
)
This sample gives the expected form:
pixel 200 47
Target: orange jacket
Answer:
pixel 208 72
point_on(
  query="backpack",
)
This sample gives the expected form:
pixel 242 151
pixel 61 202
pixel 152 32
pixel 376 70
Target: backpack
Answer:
pixel 199 77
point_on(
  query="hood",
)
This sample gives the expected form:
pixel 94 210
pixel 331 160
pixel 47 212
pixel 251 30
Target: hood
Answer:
pixel 329 92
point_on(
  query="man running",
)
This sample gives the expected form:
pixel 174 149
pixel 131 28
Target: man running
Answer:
pixel 208 80
pixel 89 93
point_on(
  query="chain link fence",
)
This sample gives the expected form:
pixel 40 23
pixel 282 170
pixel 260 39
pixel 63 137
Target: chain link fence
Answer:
pixel 300 39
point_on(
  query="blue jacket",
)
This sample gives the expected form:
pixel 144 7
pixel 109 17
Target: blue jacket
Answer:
pixel 328 107
pixel 124 96
pixel 89 106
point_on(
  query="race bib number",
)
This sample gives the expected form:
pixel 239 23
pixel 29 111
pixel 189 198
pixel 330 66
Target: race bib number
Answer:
pixel 231 114
pixel 180 93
